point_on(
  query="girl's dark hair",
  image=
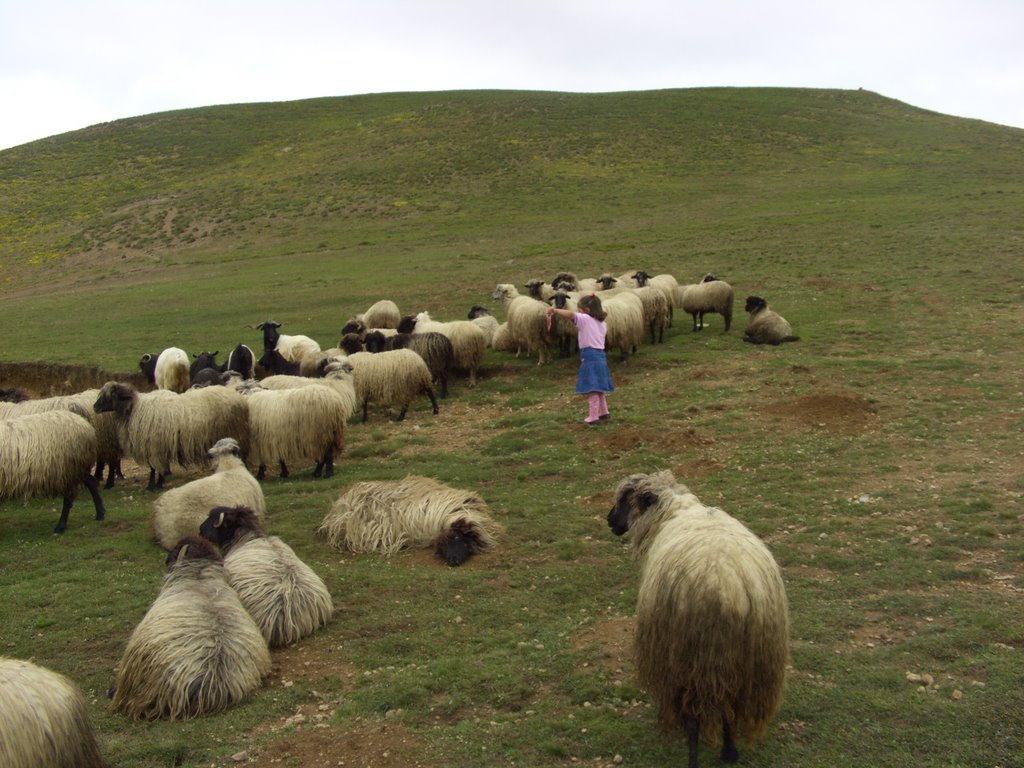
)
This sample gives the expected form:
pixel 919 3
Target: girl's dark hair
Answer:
pixel 592 305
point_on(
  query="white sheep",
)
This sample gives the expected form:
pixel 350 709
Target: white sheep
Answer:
pixel 180 511
pixel 49 454
pixel 393 377
pixel 44 722
pixel 656 311
pixel 468 341
pixel 708 296
pixel 382 314
pixel 168 369
pixel 197 650
pixel 162 428
pixel 334 371
pixel 291 347
pixel 435 348
pixel 502 340
pixel 712 619
pixel 285 597
pixel 487 322
pixel 766 326
pixel 625 321
pixel 665 283
pixel 527 321
pixel 414 512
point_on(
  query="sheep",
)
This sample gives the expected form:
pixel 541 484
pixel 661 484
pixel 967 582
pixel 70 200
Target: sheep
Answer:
pixel 468 341
pixel 503 341
pixel 527 321
pixel 382 314
pixel 49 454
pixel 539 290
pixel 625 322
pixel 564 328
pixel 296 424
pixel 435 348
pixel 665 283
pixel 334 371
pixel 656 311
pixel 161 428
pixel 483 319
pixel 285 597
pixel 291 348
pixel 44 722
pixel 273 362
pixel 712 625
pixel 108 448
pixel 209 377
pixel 241 361
pixel 180 511
pixel 13 395
pixel 386 517
pixel 393 377
pixel 167 370
pixel 709 295
pixel 200 362
pixel 197 650
pixel 766 326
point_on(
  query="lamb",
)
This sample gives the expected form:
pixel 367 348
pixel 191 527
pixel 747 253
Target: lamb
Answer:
pixel 167 370
pixel 766 326
pixel 386 517
pixel 161 428
pixel 712 624
pixel 291 348
pixel 435 348
pixel 180 511
pixel 392 377
pixel 709 295
pixel 487 322
pixel 468 342
pixel 44 722
pixel 49 454
pixel 502 340
pixel 527 321
pixel 285 597
pixel 197 650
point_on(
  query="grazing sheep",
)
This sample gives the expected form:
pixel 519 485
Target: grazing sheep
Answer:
pixel 44 722
pixel 273 362
pixel 766 326
pixel 483 319
pixel 712 622
pixel 468 341
pixel 435 348
pixel 241 360
pixel 108 448
pixel 161 428
pixel 197 650
pixel 417 511
pixel 49 454
pixel 527 321
pixel 334 371
pixel 180 511
pixel 284 596
pixel 167 370
pixel 709 295
pixel 291 348
pixel 393 377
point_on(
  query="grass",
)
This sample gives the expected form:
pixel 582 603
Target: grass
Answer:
pixel 879 456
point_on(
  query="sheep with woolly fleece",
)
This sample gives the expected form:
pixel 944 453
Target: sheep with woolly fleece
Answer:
pixel 180 511
pixel 305 423
pixel 483 319
pixel 656 311
pixel 241 360
pixel 625 321
pixel 766 326
pixel 709 295
pixel 435 348
pixel 334 371
pixel 665 283
pixel 382 314
pixel 468 341
pixel 160 429
pixel 393 377
pixel 502 340
pixel 712 619
pixel 291 347
pixel 414 512
pixel 539 290
pixel 49 454
pixel 167 370
pixel 564 328
pixel 197 650
pixel 527 321
pixel 44 721
pixel 108 447
pixel 284 596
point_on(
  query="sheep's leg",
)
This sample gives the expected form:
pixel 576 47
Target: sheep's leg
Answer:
pixel 63 522
pixel 284 468
pixel 97 500
pixel 442 382
pixel 729 752
pixel 401 413
pixel 694 320
pixel 728 322
pixel 366 405
pixel 151 485
pixel 692 726
pixel 433 401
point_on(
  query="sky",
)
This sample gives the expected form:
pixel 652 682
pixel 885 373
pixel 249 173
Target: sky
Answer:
pixel 70 64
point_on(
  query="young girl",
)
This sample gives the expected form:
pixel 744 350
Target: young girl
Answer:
pixel 594 379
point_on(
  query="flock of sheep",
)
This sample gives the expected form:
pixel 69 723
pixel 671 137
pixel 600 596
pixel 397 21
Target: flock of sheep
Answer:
pixel 712 617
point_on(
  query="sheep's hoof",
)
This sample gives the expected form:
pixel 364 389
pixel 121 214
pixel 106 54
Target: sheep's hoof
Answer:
pixel 729 754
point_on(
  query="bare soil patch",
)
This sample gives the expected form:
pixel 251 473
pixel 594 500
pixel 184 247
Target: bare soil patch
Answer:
pixel 835 411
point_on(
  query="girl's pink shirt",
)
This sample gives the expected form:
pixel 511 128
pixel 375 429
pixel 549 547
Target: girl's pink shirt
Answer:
pixel 589 331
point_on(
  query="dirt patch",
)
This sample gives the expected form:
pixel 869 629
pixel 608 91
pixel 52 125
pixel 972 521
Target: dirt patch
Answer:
pixel 836 411
pixel 677 439
pixel 56 379
pixel 612 641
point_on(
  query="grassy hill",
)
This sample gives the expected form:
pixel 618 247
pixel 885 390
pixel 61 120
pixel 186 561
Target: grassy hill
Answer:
pixel 880 456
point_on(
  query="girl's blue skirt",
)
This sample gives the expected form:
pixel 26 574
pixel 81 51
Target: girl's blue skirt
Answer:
pixel 594 375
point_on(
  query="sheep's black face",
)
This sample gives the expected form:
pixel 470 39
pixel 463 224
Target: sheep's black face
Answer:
pixel 461 542
pixel 754 303
pixel 110 398
pixel 618 518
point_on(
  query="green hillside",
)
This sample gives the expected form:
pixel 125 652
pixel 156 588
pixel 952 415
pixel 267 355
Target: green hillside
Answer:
pixel 880 457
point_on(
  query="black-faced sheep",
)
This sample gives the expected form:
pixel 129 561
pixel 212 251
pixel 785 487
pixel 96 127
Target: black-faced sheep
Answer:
pixel 435 348
pixel 44 722
pixel 197 650
pixel 201 361
pixel 49 454
pixel 167 370
pixel 563 328
pixel 712 622
pixel 483 319
pixel 766 326
pixel 708 296
pixel 386 517
pixel 665 283
pixel 292 348
pixel 527 321
pixel 394 377
pixel 284 596
pixel 468 341
pixel 241 360
pixel 180 511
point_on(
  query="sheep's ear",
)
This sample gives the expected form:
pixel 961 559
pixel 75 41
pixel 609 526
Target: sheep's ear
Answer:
pixel 181 553
pixel 646 500
pixel 220 521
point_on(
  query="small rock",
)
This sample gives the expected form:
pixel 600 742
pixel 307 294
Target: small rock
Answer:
pixel 240 757
pixel 956 695
pixel 617 760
